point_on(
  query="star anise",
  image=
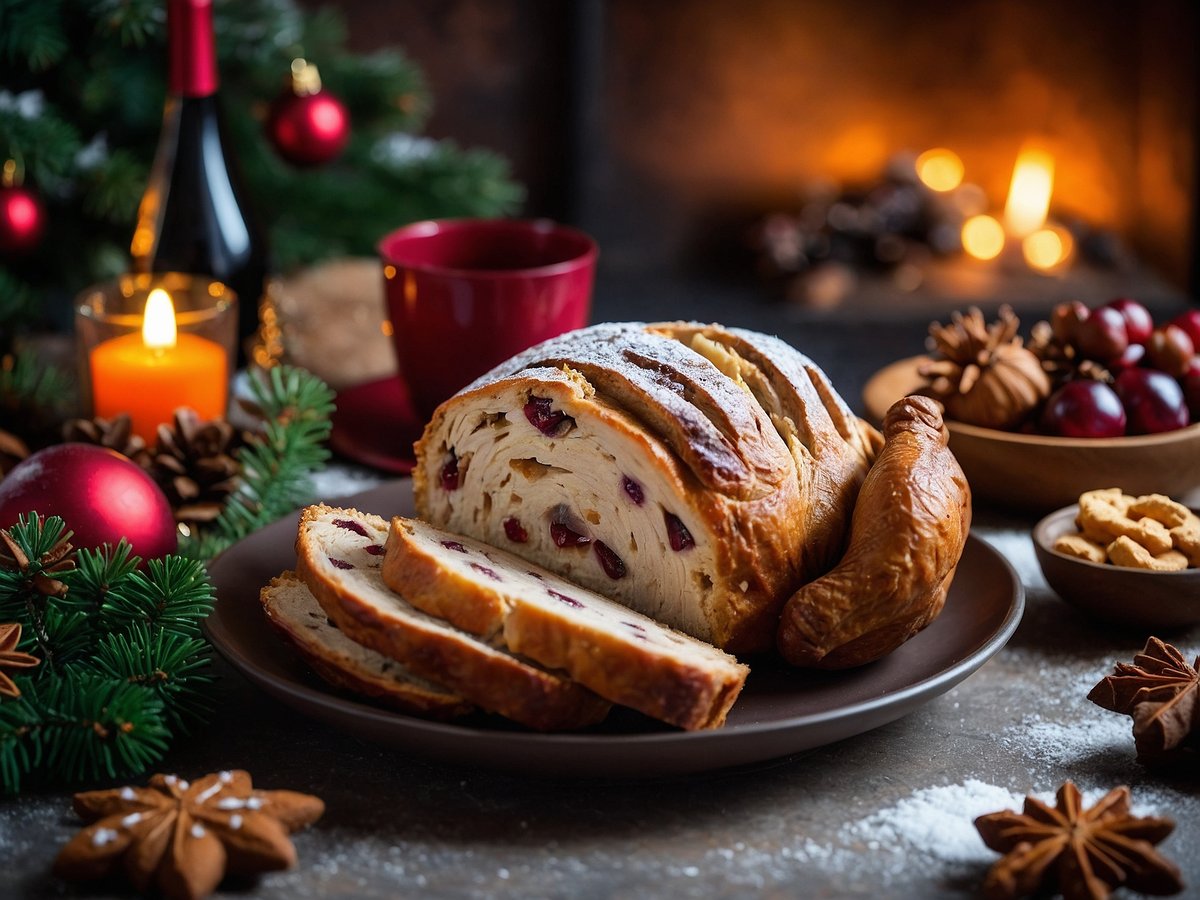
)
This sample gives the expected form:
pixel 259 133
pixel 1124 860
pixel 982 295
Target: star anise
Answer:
pixel 1162 694
pixel 183 838
pixel 12 658
pixel 1083 853
pixel 115 434
pixel 38 574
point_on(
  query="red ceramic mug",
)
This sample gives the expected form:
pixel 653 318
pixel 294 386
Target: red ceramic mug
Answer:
pixel 464 295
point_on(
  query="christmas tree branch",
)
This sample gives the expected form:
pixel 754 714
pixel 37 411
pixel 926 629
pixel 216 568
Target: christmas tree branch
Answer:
pixel 277 462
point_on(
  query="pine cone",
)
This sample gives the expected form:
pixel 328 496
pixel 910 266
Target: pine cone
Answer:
pixel 985 375
pixel 12 451
pixel 115 434
pixel 194 465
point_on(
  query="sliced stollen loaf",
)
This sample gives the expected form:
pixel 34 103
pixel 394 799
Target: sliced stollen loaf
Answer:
pixel 339 554
pixel 695 473
pixel 296 615
pixel 620 654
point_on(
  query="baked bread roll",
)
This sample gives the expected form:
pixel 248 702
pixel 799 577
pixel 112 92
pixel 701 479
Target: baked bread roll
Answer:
pixel 696 474
pixel 296 615
pixel 620 654
pixel 909 529
pixel 339 553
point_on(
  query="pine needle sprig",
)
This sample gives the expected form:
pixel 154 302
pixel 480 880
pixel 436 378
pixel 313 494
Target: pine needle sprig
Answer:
pixel 278 461
pixel 173 666
pixel 173 593
pixel 99 572
pixel 24 563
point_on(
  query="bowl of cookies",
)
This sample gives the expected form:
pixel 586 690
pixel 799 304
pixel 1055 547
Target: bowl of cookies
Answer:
pixel 1125 558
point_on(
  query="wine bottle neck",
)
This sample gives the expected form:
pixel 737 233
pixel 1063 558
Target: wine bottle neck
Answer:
pixel 192 48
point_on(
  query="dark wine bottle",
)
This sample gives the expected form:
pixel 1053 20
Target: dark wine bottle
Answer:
pixel 194 216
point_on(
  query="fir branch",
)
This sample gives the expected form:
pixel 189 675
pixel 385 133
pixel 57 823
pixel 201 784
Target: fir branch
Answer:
pixel 80 726
pixel 99 572
pixel 113 188
pixel 28 386
pixel 172 665
pixel 276 463
pixel 31 32
pixel 173 593
pixel 34 539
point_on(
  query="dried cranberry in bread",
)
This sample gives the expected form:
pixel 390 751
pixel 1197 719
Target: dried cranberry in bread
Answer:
pixel 694 473
pixel 295 613
pixel 339 554
pixel 620 654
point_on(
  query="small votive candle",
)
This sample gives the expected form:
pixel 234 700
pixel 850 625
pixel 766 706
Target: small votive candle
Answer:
pixel 150 344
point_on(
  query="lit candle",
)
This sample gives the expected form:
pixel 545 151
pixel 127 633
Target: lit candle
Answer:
pixel 149 375
pixel 1029 193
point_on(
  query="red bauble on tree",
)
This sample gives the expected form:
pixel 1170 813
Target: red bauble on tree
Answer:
pixel 308 125
pixel 99 493
pixel 22 216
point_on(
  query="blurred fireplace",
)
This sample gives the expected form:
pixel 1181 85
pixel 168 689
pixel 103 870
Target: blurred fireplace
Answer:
pixel 662 127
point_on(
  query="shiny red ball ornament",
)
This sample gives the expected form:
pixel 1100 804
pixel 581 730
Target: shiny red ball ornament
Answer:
pixel 100 494
pixel 22 220
pixel 308 125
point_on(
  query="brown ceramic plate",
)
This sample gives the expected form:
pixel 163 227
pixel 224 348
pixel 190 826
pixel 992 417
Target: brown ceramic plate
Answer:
pixel 1128 596
pixel 1039 472
pixel 780 712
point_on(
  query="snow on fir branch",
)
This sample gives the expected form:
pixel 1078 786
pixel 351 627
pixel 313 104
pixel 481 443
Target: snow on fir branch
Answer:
pixel 122 668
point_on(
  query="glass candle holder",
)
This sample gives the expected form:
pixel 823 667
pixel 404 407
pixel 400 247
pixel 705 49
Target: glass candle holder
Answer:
pixel 151 343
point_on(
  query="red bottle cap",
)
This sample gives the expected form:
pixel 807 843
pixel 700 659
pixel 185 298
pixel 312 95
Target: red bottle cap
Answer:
pixel 191 47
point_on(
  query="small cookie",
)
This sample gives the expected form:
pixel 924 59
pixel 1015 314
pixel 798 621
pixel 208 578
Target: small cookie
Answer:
pixel 1080 547
pixel 1186 538
pixel 1102 521
pixel 1160 509
pixel 1124 551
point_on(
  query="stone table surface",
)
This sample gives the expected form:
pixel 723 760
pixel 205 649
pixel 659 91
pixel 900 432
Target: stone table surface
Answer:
pixel 884 814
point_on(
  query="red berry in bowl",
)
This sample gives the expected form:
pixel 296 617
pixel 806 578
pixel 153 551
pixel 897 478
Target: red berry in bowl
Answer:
pixel 1102 335
pixel 1138 321
pixel 1131 358
pixel 1189 321
pixel 1191 388
pixel 1087 409
pixel 1170 350
pixel 1153 401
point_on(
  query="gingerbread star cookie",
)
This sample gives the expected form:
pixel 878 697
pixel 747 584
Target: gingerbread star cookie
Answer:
pixel 183 838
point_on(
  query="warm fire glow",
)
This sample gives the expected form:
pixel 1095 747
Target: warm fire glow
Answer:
pixel 940 169
pixel 982 237
pixel 158 321
pixel 1047 248
pixel 1029 193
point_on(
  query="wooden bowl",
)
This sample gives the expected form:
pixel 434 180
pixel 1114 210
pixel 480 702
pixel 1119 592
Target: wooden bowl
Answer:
pixel 1129 596
pixel 1038 473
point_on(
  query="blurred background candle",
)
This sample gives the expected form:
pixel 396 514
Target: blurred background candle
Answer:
pixel 148 347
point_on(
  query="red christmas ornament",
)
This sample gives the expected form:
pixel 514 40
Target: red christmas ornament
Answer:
pixel 99 493
pixel 22 216
pixel 308 125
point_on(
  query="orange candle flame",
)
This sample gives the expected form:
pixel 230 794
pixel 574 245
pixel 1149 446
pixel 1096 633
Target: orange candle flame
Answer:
pixel 1029 194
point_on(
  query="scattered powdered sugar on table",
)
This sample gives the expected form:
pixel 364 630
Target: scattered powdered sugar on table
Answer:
pixel 1064 743
pixel 934 822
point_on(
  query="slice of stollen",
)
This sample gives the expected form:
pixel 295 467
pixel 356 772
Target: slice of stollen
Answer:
pixel 339 553
pixel 297 616
pixel 620 654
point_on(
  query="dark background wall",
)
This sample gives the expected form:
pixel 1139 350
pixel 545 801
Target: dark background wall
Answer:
pixel 662 127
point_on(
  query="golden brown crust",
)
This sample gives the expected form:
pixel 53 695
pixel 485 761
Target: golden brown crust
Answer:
pixel 908 532
pixel 492 680
pixel 354 674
